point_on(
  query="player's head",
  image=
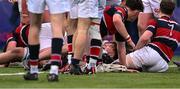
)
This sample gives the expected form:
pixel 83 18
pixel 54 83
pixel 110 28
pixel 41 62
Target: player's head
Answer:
pixel 167 7
pixel 134 7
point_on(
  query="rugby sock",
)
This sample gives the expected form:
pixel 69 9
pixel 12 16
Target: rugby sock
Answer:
pixel 56 61
pixel 95 50
pixel 92 63
pixel 34 56
pixel 70 54
pixel 75 61
pixel 54 69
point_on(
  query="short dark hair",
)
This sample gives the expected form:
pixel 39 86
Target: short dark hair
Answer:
pixel 135 4
pixel 167 7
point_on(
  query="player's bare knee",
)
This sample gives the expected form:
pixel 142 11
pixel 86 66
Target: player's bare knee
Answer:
pixel 16 52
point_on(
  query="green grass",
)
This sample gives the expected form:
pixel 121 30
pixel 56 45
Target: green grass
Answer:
pixel 170 79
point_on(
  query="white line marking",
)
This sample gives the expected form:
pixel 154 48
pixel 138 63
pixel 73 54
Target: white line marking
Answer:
pixel 172 66
pixel 20 73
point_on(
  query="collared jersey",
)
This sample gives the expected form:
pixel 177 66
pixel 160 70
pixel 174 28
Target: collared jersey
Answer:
pixel 166 36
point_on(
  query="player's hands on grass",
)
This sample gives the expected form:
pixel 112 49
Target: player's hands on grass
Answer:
pixel 132 71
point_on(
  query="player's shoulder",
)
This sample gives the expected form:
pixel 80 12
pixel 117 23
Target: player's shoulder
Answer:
pixel 153 22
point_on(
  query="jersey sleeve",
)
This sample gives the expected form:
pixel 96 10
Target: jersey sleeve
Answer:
pixel 121 13
pixel 10 37
pixel 152 24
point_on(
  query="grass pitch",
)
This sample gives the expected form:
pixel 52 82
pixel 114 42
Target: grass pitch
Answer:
pixel 170 79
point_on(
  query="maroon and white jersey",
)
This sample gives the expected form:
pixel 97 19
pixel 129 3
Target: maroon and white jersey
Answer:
pixel 108 17
pixel 166 36
pixel 20 35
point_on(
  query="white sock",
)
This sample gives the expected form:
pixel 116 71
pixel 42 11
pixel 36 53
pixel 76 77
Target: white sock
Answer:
pixel 54 69
pixel 69 57
pixel 33 69
pixel 92 63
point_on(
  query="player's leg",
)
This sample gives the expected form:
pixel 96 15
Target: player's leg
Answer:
pixel 35 9
pixel 96 40
pixel 34 45
pixel 160 66
pixel 82 30
pixel 95 47
pixel 71 36
pixel 87 9
pixel 143 19
pixel 10 55
pixel 151 8
pixel 57 9
pixel 80 42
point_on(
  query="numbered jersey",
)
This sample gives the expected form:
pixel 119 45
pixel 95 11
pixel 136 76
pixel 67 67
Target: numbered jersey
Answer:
pixel 166 36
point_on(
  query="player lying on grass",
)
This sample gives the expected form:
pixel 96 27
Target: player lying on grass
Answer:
pixel 16 46
pixel 112 23
pixel 164 35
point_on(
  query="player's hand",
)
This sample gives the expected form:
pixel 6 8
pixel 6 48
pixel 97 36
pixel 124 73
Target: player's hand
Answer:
pixel 131 45
pixel 132 71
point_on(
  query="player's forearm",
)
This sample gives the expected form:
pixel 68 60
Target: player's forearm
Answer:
pixel 121 53
pixel 144 39
pixel 120 27
pixel 141 43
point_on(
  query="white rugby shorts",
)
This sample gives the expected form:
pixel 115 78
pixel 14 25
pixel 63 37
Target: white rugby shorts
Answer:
pixel 151 6
pixel 148 59
pixel 84 9
pixel 54 6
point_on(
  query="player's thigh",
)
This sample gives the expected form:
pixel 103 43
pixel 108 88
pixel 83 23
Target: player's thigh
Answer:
pixel 160 66
pixel 145 56
pixel 83 24
pixel 72 26
pixel 143 19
